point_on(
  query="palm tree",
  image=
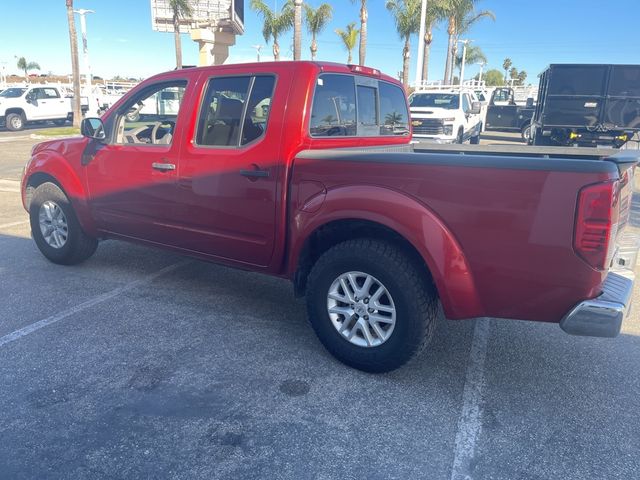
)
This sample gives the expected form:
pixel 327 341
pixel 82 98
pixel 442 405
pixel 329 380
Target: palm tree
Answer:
pixel 433 16
pixel 75 67
pixel 181 9
pixel 25 66
pixel 466 18
pixel 349 37
pixel 297 29
pixel 513 75
pixel 474 55
pixel 364 16
pixel 406 14
pixel 506 65
pixel 274 23
pixel 460 16
pixel 317 19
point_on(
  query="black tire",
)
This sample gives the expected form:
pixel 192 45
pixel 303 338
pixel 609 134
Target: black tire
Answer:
pixel 15 122
pixel 525 132
pixel 60 122
pixel 78 247
pixel 475 140
pixel 460 137
pixel 414 297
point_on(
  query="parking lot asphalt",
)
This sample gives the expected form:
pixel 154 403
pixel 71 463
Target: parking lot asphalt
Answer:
pixel 140 363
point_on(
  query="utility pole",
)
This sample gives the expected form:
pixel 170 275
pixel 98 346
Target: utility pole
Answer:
pixel 258 48
pixel 464 59
pixel 482 64
pixel 423 27
pixel 85 51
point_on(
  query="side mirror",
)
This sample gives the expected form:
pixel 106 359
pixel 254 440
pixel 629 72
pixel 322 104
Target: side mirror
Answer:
pixel 30 97
pixel 530 102
pixel 92 128
pixel 475 108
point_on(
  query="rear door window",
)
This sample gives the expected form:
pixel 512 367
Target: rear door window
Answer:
pixel 235 110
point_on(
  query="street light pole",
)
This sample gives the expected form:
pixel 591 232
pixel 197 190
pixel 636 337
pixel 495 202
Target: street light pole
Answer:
pixel 482 64
pixel 85 51
pixel 423 19
pixel 258 48
pixel 464 59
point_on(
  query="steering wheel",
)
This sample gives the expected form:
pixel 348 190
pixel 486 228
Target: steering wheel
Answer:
pixel 156 128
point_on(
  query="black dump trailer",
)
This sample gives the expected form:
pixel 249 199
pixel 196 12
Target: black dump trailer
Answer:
pixel 587 105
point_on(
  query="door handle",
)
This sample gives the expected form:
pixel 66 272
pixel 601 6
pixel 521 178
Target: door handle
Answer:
pixel 255 173
pixel 163 167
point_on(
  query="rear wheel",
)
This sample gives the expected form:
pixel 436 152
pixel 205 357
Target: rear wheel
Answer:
pixel 15 121
pixel 55 227
pixel 526 133
pixel 60 122
pixel 370 305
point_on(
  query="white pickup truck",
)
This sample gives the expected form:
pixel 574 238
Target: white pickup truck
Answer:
pixel 20 106
pixel 443 116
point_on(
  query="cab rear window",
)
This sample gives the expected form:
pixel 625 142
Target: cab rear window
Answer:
pixel 348 105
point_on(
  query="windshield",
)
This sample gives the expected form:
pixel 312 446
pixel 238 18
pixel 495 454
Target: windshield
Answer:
pixel 449 101
pixel 13 92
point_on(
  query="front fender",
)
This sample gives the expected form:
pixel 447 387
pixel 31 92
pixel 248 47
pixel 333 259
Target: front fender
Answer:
pixel 52 164
pixel 421 227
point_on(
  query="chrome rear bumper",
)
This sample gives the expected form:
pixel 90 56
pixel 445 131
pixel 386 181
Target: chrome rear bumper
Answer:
pixel 602 316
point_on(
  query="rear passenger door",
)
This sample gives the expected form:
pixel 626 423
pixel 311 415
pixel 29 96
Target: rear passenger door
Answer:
pixel 229 171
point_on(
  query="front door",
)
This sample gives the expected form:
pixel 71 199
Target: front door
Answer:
pixel 229 175
pixel 132 177
pixel 48 104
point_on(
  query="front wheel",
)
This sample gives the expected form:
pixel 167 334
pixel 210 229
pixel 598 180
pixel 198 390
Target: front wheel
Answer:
pixel 15 122
pixel 56 229
pixel 475 140
pixel 371 306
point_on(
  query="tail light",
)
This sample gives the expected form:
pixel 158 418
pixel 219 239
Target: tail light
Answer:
pixel 597 224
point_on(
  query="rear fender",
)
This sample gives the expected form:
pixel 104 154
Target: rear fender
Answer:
pixel 414 222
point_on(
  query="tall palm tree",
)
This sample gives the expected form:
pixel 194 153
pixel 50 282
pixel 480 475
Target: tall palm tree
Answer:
pixel 274 23
pixel 349 37
pixel 317 20
pixel 433 16
pixel 181 9
pixel 364 16
pixel 466 17
pixel 75 67
pixel 506 65
pixel 297 29
pixel 460 16
pixel 474 55
pixel 26 66
pixel 406 14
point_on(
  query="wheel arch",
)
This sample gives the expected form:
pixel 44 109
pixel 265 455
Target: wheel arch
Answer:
pixel 394 217
pixel 47 166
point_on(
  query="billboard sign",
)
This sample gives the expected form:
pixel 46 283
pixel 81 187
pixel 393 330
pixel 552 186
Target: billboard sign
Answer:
pixel 226 14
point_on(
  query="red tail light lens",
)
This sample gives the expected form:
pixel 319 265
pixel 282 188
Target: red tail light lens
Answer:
pixel 597 224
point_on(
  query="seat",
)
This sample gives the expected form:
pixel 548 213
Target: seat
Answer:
pixel 224 128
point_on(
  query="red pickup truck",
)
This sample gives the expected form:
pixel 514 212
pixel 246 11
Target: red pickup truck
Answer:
pixel 306 171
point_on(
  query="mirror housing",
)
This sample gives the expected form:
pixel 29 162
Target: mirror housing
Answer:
pixel 30 97
pixel 93 128
pixel 530 102
pixel 475 108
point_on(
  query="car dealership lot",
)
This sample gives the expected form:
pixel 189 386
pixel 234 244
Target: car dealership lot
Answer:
pixel 143 364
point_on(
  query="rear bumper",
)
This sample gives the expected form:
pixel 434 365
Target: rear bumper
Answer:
pixel 603 316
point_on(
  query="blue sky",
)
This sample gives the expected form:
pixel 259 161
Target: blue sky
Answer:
pixel 533 33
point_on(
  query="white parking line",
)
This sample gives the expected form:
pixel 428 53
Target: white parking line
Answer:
pixel 13 224
pixel 470 422
pixel 16 335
